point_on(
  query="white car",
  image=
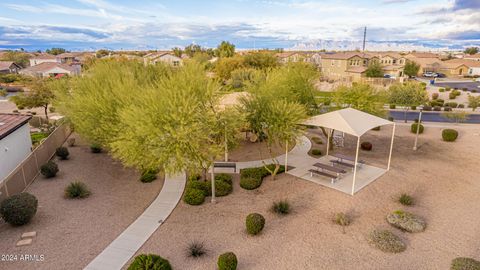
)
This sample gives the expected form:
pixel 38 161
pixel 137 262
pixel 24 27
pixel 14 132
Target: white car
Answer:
pixel 477 79
pixel 430 74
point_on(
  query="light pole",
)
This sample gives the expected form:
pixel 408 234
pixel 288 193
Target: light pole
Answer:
pixel 418 128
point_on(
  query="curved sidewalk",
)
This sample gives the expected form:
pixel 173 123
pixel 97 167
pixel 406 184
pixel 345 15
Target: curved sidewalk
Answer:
pixel 118 252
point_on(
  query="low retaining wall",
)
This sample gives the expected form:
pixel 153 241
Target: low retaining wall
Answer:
pixel 25 173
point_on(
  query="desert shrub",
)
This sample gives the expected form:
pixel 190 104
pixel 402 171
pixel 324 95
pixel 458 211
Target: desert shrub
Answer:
pixel 435 95
pixel 227 261
pixel 95 148
pixel 62 152
pixel 405 199
pixel 441 90
pixel 392 106
pixel 413 128
pixel 461 106
pixel 316 152
pixel 200 185
pixel 254 223
pixel 462 263
pixel 194 176
pixel 437 108
pixel 317 140
pixel 77 190
pixel 52 109
pixel 447 109
pixel 386 241
pixel 49 169
pixel 194 196
pixel 390 118
pixel 406 221
pixel 250 183
pixel 474 90
pixel 452 104
pixel 449 135
pixel 413 107
pixel 37 137
pixel 150 261
pixel 457 93
pixel 19 209
pixel 227 178
pixel 452 95
pixel 148 175
pixel 342 219
pixel 196 249
pixel 448 88
pixel 281 207
pixel 427 108
pixel 221 188
pixel 367 146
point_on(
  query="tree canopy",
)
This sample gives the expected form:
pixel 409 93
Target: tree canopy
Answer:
pixel 225 49
pixel 472 50
pixel 407 95
pixel 19 57
pixel 473 102
pixel 411 68
pixel 56 51
pixel 40 94
pixel 363 97
pixel 374 70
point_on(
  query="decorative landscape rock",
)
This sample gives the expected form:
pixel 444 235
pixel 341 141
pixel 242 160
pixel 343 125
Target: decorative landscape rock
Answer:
pixel 386 241
pixel 406 221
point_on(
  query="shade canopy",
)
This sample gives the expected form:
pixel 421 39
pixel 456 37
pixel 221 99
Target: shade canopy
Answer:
pixel 348 120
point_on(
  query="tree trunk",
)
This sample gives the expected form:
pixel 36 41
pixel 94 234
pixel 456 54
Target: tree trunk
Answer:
pixel 405 114
pixel 330 143
pixel 45 108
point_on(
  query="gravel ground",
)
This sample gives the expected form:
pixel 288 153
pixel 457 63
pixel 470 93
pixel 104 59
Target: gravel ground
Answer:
pixel 70 233
pixel 442 177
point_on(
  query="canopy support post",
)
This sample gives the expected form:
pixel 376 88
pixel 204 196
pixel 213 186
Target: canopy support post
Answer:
pixel 286 156
pixel 391 147
pixel 328 142
pixel 212 175
pixel 355 168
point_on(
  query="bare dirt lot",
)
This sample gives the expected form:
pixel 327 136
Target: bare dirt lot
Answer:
pixel 70 233
pixel 442 177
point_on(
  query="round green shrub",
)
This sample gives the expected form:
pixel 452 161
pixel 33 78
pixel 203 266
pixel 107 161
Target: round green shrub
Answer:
pixel 367 146
pixel 255 223
pixel 392 106
pixel 194 196
pixel 441 90
pixel 19 209
pixel 413 107
pixel 77 190
pixel 148 176
pixel 150 261
pixel 221 188
pixel 435 95
pixel 406 221
pixel 227 261
pixel 316 152
pixel 437 108
pixel 62 152
pixel 250 183
pixel 317 140
pixel 96 148
pixel 227 178
pixel 390 118
pixel 413 128
pixel 449 135
pixel 462 263
pixel 200 185
pixel 447 109
pixel 427 108
pixel 49 169
pixel 386 241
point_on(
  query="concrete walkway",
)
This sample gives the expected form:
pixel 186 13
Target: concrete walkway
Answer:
pixel 117 254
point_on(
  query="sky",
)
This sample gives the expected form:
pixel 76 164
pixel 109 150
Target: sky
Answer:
pixel 149 24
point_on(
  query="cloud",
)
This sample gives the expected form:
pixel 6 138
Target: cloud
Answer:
pixel 395 1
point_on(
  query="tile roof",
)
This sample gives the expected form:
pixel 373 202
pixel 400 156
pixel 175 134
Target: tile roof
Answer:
pixel 10 122
pixel 46 66
pixel 45 56
pixel 4 65
pixel 423 55
pixel 458 62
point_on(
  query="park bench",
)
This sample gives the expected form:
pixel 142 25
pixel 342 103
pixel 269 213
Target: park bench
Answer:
pixel 333 178
pixel 232 165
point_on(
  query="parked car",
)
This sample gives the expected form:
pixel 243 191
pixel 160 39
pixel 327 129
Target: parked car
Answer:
pixel 430 74
pixel 441 75
pixel 477 79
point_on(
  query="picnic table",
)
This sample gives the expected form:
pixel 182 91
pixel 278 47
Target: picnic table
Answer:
pixel 326 170
pixel 341 160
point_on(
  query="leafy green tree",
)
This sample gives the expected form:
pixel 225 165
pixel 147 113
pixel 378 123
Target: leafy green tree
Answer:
pixel 363 97
pixel 56 51
pixel 192 49
pixel 177 51
pixel 243 77
pixel 261 60
pixel 225 49
pixel 39 95
pixel 456 116
pixel 225 66
pixel 473 102
pixel 471 50
pixel 407 95
pixel 19 57
pixel 374 70
pixel 3 93
pixel 411 68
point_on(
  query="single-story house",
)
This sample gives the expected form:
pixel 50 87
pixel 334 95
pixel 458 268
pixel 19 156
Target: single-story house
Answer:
pixel 460 67
pixel 165 57
pixel 15 142
pixel 475 57
pixel 7 67
pixel 50 69
pixel 286 57
pixel 44 58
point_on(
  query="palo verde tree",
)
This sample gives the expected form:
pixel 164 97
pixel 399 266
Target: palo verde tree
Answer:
pixel 363 97
pixel 40 94
pixel 407 95
pixel 473 102
pixel 472 50
pixel 411 68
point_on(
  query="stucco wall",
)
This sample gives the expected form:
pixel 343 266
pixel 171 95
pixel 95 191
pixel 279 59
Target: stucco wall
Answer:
pixel 14 149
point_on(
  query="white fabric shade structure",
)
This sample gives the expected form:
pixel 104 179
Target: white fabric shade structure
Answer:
pixel 353 122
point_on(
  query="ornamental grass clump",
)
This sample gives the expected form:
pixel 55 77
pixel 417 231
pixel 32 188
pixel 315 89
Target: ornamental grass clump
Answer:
pixel 148 176
pixel 254 223
pixel 342 219
pixel 406 199
pixel 406 221
pixel 386 241
pixel 77 190
pixel 281 207
pixel 196 249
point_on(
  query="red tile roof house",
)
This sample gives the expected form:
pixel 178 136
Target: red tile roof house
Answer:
pixel 44 58
pixel 51 69
pixel 7 67
pixel 15 142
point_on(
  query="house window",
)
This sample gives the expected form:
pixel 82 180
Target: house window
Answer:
pixel 394 61
pixel 176 63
